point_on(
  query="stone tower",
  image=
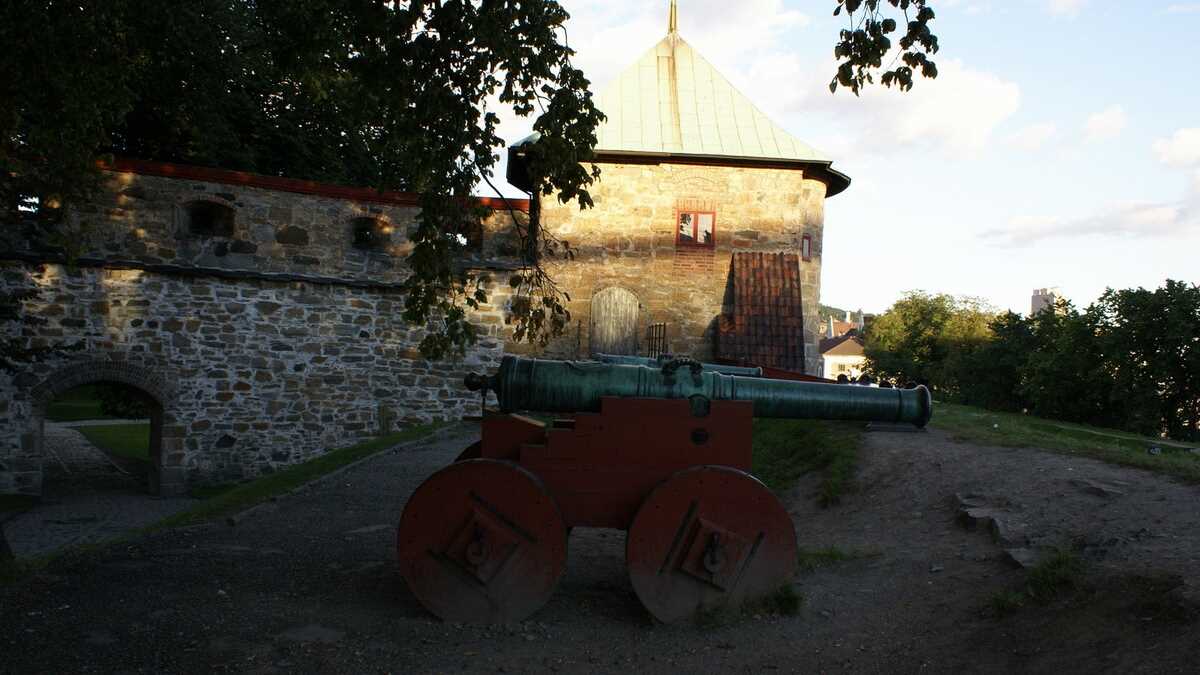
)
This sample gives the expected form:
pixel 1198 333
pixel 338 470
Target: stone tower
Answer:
pixel 1043 298
pixel 708 219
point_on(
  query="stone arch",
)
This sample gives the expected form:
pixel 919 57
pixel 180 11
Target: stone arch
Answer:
pixel 614 321
pixel 695 180
pixel 166 438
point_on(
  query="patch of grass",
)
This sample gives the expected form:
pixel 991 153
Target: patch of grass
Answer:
pixel 131 441
pixel 1006 602
pixel 12 571
pixel 210 491
pixel 785 450
pixel 1058 574
pixel 783 601
pixel 231 499
pixel 811 560
pixel 1116 447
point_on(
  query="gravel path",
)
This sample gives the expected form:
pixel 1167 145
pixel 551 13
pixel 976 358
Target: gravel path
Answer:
pixel 309 584
pixel 88 498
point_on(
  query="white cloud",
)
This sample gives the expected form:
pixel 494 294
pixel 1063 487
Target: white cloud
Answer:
pixel 1034 136
pixel 1065 7
pixel 609 36
pixel 1184 8
pixel 1181 149
pixel 1129 220
pixel 1106 124
pixel 957 113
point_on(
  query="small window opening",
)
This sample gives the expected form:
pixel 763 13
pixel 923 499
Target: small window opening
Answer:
pixel 806 247
pixel 209 219
pixel 695 228
pixel 371 234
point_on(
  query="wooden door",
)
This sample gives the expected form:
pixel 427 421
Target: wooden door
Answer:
pixel 614 322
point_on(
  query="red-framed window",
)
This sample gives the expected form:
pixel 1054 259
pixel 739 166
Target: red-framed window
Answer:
pixel 696 228
pixel 806 247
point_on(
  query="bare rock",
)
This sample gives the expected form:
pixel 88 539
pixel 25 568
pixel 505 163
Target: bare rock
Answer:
pixel 1098 488
pixel 1021 557
pixel 978 518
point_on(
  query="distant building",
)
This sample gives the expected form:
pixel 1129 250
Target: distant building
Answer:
pixel 843 356
pixel 1043 298
pixel 834 328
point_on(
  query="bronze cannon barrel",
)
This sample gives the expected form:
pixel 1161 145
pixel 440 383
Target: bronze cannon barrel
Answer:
pixel 651 362
pixel 571 386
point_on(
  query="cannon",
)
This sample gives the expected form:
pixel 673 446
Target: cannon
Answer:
pixel 660 361
pixel 663 453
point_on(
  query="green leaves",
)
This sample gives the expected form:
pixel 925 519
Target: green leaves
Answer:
pixel 1131 360
pixel 391 95
pixel 862 47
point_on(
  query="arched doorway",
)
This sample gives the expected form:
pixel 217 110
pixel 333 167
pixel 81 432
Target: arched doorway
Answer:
pixel 614 321
pixel 96 437
pixel 150 390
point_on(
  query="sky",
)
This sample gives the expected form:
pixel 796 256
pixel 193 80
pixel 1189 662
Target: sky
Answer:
pixel 1059 146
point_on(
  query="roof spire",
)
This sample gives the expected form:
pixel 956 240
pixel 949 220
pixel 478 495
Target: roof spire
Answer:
pixel 673 20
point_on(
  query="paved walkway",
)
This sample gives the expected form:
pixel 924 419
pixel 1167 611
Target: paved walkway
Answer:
pixel 87 497
pixel 74 519
pixel 70 456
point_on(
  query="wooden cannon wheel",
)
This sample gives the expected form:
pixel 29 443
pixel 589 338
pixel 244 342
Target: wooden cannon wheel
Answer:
pixel 482 541
pixel 708 536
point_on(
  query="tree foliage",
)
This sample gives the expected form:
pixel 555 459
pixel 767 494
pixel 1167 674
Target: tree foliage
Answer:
pixel 394 95
pixel 1130 361
pixel 922 336
pixel 864 44
pixel 391 94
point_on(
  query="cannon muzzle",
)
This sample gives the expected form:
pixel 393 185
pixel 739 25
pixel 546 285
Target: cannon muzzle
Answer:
pixel 571 386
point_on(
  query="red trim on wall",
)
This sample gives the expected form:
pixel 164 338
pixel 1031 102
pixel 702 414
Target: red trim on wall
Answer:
pixel 305 187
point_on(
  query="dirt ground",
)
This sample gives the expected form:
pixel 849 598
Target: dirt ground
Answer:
pixel 310 585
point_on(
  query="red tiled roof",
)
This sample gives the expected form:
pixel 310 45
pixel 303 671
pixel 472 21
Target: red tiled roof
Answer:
pixel 840 328
pixel 766 327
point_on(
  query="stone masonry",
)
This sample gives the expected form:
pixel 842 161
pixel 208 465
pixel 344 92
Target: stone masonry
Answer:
pixel 264 345
pixel 628 240
pixel 267 336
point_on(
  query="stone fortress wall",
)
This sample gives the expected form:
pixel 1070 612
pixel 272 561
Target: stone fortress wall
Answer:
pixel 265 335
pixel 244 307
pixel 628 240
